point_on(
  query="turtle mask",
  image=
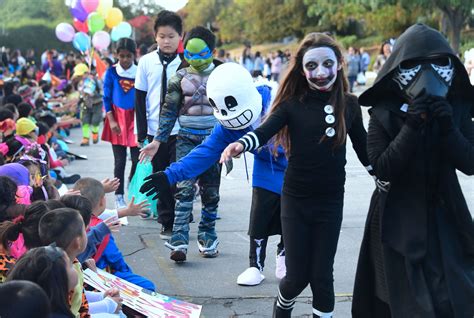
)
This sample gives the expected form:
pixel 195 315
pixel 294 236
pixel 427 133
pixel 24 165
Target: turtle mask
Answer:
pixel 198 54
pixel 433 75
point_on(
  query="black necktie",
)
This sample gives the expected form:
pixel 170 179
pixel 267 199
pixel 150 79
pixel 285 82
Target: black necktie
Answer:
pixel 165 59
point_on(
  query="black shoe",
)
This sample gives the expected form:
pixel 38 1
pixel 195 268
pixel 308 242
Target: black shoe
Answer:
pixel 71 179
pixel 166 232
pixel 179 256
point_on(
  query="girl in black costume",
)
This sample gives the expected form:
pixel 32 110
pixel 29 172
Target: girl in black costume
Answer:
pixel 417 255
pixel 311 117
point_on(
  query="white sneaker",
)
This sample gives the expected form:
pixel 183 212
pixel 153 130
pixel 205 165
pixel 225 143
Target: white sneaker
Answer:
pixel 250 277
pixel 280 267
pixel 120 201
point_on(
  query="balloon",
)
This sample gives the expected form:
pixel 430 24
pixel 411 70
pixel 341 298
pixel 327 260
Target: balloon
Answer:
pixel 89 5
pixel 81 41
pixel 95 22
pixel 101 40
pixel 80 26
pixel 104 7
pixel 123 30
pixel 114 17
pixel 78 11
pixel 65 32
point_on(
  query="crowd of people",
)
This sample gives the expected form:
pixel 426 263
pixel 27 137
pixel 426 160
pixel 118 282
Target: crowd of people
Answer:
pixel 187 110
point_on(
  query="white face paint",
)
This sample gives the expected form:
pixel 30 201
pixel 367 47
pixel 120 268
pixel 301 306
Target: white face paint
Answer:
pixel 320 68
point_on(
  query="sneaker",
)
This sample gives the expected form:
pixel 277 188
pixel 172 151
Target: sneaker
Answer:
pixel 166 232
pixel 95 138
pixel 85 142
pixel 250 277
pixel 178 251
pixel 280 267
pixel 208 248
pixel 120 201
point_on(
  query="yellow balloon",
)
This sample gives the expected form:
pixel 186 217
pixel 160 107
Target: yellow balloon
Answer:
pixel 114 17
pixel 104 7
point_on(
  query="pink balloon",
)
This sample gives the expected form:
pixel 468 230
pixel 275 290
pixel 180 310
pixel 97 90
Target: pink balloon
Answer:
pixel 90 5
pixel 65 32
pixel 101 40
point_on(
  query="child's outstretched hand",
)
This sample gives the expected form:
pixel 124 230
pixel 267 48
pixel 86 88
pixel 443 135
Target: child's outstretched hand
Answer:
pixel 232 150
pixel 139 209
pixel 149 151
pixel 113 223
pixel 110 185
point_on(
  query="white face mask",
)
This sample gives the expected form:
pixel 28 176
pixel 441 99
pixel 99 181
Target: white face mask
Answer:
pixel 320 67
pixel 236 102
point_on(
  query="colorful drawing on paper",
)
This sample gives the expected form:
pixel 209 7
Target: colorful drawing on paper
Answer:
pixel 146 303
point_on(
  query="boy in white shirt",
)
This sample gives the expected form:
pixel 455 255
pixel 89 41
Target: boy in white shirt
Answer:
pixel 154 71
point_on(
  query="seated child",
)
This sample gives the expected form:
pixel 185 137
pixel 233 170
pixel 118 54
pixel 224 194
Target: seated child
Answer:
pixel 65 227
pixel 108 254
pixel 51 269
pixel 23 299
pixel 95 234
pixel 21 234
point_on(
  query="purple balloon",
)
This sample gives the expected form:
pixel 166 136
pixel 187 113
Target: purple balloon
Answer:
pixel 78 11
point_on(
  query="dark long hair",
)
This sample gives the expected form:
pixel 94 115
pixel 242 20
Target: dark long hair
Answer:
pixel 295 85
pixel 47 268
pixel 28 225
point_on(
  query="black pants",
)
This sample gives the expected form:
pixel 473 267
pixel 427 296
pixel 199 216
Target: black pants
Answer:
pixel 258 251
pixel 120 160
pixel 264 222
pixel 165 156
pixel 311 229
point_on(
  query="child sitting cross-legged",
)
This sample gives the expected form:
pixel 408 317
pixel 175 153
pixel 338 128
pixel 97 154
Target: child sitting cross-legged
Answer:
pixel 108 254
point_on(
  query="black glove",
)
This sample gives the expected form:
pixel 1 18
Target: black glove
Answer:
pixel 443 112
pixel 416 109
pixel 156 183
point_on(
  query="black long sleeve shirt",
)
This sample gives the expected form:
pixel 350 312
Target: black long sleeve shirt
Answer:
pixel 140 114
pixel 314 167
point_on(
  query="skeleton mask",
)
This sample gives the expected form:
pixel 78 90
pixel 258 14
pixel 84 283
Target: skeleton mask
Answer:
pixel 236 102
pixel 434 75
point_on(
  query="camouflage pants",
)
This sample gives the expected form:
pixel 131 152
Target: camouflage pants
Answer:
pixel 209 183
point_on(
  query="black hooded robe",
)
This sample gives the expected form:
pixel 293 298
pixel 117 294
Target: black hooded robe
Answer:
pixel 417 254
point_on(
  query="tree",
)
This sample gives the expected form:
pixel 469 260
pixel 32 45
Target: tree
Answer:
pixel 203 12
pixel 456 13
pixel 233 22
pixel 135 8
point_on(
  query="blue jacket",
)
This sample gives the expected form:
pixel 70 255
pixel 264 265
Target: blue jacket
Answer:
pixel 95 235
pixel 267 173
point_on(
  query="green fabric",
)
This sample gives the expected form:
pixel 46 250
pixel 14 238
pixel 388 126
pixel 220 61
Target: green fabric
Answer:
pixel 195 46
pixel 85 130
pixel 95 129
